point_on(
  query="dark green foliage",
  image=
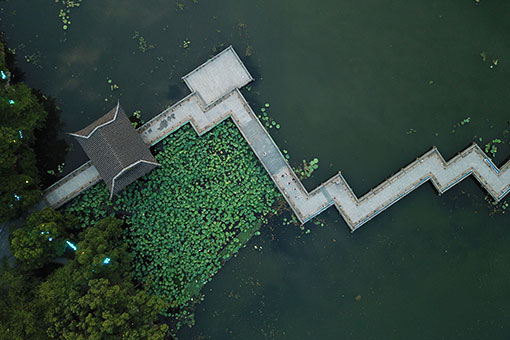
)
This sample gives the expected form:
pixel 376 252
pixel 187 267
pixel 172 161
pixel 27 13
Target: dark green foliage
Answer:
pixel 17 159
pixel 102 241
pixel 3 57
pixel 98 308
pixel 27 133
pixel 91 299
pixel 87 298
pixel 20 314
pixel 42 238
pixel 185 217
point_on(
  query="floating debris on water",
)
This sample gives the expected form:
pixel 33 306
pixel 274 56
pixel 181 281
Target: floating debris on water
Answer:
pixel 494 61
pixel 249 51
pixel 34 59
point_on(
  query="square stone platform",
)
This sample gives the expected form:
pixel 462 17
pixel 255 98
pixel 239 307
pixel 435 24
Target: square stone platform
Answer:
pixel 218 76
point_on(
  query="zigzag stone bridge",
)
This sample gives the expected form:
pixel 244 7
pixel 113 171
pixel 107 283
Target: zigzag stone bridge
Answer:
pixel 215 96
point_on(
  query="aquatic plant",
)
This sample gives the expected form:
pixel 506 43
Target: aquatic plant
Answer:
pixel 491 147
pixel 180 5
pixel 22 113
pixel 248 51
pixel 135 118
pixel 306 169
pixel 113 86
pixel 463 122
pixel 188 216
pixel 264 117
pixel 65 11
pixel 496 207
pixel 142 43
pixel 34 59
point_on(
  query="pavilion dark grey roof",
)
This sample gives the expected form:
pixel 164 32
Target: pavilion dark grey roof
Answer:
pixel 116 149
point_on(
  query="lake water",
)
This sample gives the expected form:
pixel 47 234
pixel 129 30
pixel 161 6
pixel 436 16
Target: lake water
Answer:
pixel 366 87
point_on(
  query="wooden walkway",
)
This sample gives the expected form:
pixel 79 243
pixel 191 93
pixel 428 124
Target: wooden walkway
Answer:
pixel 207 106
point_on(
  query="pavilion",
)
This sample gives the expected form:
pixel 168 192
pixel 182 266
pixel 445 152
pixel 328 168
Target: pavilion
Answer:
pixel 116 149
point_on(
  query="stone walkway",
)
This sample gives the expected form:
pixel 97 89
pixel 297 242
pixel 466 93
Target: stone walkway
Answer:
pixel 207 106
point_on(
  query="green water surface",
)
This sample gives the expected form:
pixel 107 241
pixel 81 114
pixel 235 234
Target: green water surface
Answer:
pixel 365 86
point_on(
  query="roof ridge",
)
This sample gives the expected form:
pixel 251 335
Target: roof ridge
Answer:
pixel 76 134
pixel 126 168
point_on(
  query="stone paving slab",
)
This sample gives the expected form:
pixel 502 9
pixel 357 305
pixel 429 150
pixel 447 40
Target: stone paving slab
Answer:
pixel 218 76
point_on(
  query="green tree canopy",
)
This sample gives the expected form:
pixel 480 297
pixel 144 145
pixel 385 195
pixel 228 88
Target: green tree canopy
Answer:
pixel 101 310
pixel 102 251
pixel 91 298
pixel 20 315
pixel 21 113
pixel 42 238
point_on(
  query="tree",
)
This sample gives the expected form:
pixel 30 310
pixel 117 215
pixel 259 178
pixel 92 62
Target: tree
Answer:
pixel 102 251
pixel 93 297
pixel 24 125
pixel 20 315
pixel 103 310
pixel 20 114
pixel 42 238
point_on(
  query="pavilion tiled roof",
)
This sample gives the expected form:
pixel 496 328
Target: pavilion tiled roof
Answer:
pixel 116 149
